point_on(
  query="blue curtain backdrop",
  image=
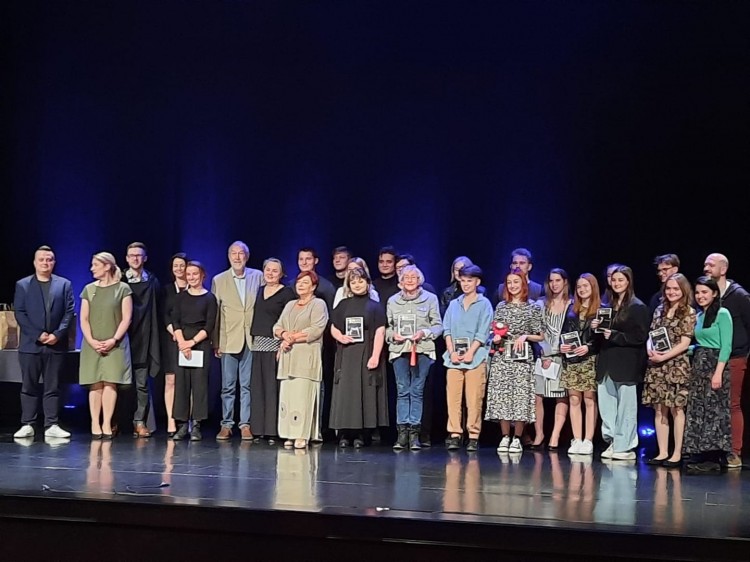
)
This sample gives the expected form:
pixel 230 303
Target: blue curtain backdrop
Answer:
pixel 589 132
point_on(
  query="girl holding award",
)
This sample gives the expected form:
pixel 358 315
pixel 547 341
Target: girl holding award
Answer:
pixel 359 402
pixel 510 388
pixel 668 374
pixel 620 366
pixel 579 348
pixel 555 305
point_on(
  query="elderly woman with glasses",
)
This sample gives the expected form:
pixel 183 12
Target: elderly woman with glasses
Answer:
pixel 414 323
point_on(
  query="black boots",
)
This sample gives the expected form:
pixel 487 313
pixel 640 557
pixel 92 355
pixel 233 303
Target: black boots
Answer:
pixel 403 437
pixel 414 443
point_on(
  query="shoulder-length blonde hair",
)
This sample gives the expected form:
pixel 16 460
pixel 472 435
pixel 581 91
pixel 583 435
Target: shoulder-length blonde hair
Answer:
pixel 108 259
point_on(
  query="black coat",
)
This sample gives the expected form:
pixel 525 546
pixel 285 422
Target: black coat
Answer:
pixel 587 335
pixel 623 356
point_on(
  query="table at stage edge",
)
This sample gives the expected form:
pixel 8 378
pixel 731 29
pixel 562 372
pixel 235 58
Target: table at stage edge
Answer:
pixel 10 368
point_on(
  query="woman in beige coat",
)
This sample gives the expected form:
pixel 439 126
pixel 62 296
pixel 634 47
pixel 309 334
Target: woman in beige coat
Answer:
pixel 300 329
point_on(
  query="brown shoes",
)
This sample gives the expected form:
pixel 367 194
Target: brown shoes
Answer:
pixel 246 434
pixel 139 430
pixel 225 434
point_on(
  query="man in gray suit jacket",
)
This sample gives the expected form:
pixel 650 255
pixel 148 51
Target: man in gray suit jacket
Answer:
pixel 235 291
pixel 44 308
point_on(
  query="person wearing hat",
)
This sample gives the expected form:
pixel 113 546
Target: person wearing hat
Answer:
pixel 466 329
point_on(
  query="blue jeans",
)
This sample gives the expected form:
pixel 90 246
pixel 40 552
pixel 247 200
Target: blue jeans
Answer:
pixel 618 407
pixel 233 364
pixel 410 388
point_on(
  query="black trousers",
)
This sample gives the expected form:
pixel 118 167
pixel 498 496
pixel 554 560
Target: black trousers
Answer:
pixel 34 366
pixel 191 381
pixel 264 394
pixel 140 378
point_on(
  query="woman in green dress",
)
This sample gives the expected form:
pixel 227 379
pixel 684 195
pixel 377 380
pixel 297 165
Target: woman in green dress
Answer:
pixel 106 311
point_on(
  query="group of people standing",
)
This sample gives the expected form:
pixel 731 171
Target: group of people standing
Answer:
pixel 276 343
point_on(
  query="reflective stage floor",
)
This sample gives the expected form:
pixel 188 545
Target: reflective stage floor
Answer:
pixel 534 506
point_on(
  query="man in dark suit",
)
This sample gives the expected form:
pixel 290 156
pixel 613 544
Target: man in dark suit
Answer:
pixel 44 308
pixel 521 258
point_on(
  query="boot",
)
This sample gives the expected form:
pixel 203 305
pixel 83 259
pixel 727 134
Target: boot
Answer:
pixel 414 443
pixel 403 437
pixel 182 431
pixel 195 433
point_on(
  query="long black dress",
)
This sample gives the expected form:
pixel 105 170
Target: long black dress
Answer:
pixel 360 397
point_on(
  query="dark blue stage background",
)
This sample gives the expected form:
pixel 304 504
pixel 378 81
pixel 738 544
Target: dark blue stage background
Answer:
pixel 588 131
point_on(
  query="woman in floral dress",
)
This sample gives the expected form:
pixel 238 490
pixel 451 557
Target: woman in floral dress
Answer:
pixel 666 381
pixel 510 388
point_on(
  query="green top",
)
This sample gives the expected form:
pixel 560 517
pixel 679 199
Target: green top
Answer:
pixel 105 315
pixel 718 336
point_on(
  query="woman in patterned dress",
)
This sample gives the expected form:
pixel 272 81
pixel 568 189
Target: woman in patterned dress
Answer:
pixel 555 304
pixel 666 381
pixel 708 435
pixel 579 371
pixel 510 388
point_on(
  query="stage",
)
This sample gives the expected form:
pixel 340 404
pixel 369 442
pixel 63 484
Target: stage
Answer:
pixel 94 499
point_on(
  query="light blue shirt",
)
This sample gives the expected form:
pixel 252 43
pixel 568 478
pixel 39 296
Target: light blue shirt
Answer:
pixel 241 284
pixel 473 323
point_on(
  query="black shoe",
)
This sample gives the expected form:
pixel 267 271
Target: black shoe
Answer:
pixel 454 443
pixel 414 443
pixel 344 443
pixel 195 433
pixel 552 448
pixel 472 446
pixel 402 442
pixel 181 433
pixel 655 462
pixel 358 443
pixel 670 464
pixel 538 447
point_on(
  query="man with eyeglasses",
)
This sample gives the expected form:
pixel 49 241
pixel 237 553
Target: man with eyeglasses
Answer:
pixel 143 332
pixel 235 290
pixel 521 259
pixel 666 265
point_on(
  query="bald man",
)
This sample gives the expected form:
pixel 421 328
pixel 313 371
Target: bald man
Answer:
pixel 737 301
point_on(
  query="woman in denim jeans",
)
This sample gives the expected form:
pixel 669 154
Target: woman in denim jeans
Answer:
pixel 413 325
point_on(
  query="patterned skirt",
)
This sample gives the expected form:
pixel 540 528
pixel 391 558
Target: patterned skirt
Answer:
pixel 668 383
pixel 510 391
pixel 580 376
pixel 708 421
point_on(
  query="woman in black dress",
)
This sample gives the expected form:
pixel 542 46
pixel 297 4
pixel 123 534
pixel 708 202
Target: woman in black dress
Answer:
pixel 169 343
pixel 264 388
pixel 193 320
pixel 360 399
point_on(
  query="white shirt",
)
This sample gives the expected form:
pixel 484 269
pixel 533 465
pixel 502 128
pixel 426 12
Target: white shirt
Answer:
pixel 241 284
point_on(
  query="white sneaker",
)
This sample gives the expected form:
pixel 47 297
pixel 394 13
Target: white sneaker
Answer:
pixel 585 447
pixel 575 447
pixel 608 452
pixel 504 445
pixel 625 456
pixel 56 431
pixel 515 446
pixel 25 431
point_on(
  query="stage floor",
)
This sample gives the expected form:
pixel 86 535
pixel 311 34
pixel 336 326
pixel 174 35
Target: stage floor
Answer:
pixel 539 489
